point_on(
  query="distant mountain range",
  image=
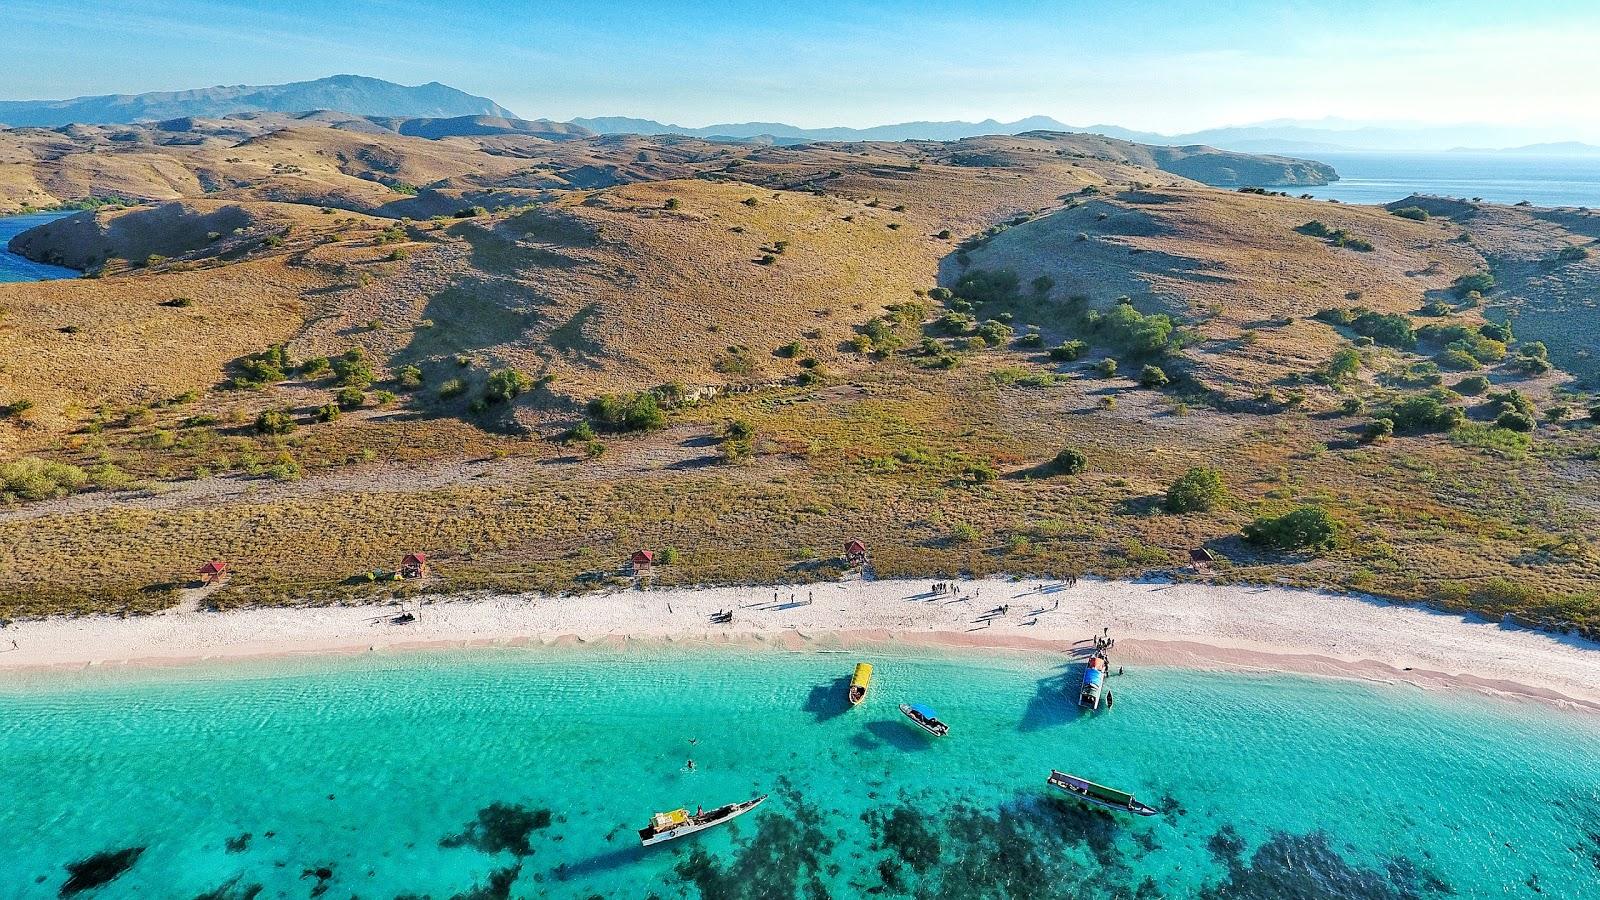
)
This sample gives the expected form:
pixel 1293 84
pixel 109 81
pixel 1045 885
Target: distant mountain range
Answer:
pixel 1284 137
pixel 375 97
pixel 346 93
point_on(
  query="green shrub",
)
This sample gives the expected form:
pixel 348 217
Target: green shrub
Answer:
pixel 1344 365
pixel 1106 367
pixel 994 333
pixel 1031 339
pixel 350 397
pixel 258 370
pixel 1303 528
pixel 274 421
pixel 1197 490
pixel 1457 359
pixel 31 478
pixel 505 384
pixel 1153 377
pixel 353 369
pixel 315 367
pixel 408 377
pixel 1482 282
pixel 1421 413
pixel 1138 334
pixel 638 411
pixel 1377 431
pixel 979 286
pixel 1068 351
pixel 1071 462
pixel 327 413
pixel 1594 413
pixel 1515 421
pixel 454 387
pixel 1415 213
pixel 1472 385
pixel 1572 254
pixel 963 533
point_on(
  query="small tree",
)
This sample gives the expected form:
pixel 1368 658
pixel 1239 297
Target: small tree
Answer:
pixel 505 384
pixel 1071 462
pixel 1197 490
pixel 1106 367
pixel 1378 431
pixel 1153 377
pixel 274 421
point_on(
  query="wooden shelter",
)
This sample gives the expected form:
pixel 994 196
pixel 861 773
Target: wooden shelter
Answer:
pixel 855 554
pixel 643 562
pixel 213 571
pixel 1200 560
pixel 414 565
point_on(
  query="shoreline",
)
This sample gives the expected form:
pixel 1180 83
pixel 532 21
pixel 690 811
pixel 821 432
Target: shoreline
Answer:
pixel 1197 626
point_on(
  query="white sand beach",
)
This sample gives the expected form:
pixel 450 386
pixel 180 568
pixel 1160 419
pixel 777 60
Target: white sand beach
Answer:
pixel 1195 625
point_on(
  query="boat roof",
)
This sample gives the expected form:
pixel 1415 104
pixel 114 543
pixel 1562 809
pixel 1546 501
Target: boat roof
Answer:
pixel 1097 790
pixel 923 710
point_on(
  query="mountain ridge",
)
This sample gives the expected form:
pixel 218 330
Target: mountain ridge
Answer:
pixel 357 94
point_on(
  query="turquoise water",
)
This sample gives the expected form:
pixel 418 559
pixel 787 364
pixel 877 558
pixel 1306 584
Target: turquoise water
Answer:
pixel 17 268
pixel 524 774
pixel 1496 177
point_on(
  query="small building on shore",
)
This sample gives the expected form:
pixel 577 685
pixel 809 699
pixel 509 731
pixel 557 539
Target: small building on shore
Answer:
pixel 213 572
pixel 643 563
pixel 414 565
pixel 855 554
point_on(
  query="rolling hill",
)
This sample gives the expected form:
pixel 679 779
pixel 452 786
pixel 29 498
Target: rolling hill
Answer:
pixel 317 341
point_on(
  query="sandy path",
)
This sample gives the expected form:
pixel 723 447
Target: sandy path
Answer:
pixel 1185 624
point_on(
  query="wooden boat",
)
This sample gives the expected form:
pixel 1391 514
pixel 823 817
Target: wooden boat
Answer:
pixel 859 682
pixel 666 826
pixel 925 719
pixel 1098 794
pixel 1094 680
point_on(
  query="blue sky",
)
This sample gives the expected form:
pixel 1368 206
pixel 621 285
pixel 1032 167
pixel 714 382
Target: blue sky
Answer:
pixel 1164 66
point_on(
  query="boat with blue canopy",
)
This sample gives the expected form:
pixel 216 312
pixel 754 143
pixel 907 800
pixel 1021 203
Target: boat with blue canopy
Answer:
pixel 925 718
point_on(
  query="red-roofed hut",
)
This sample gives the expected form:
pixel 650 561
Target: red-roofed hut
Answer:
pixel 643 562
pixel 855 554
pixel 213 571
pixel 414 565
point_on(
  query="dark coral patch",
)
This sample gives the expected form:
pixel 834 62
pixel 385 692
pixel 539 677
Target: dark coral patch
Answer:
pixel 1307 866
pixel 324 876
pixel 501 827
pixel 789 853
pixel 232 889
pixel 101 868
pixel 238 843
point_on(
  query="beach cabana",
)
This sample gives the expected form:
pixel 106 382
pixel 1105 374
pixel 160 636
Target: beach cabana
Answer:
pixel 643 562
pixel 414 565
pixel 213 571
pixel 855 554
pixel 1200 560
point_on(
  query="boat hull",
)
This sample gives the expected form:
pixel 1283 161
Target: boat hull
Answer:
pixel 931 726
pixel 649 837
pixel 1098 795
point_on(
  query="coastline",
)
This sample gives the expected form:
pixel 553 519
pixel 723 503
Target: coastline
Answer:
pixel 1198 626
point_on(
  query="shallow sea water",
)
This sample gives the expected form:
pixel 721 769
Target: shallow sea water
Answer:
pixel 524 773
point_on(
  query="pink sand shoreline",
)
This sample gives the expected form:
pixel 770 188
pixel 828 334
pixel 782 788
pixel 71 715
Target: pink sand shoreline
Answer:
pixel 1188 626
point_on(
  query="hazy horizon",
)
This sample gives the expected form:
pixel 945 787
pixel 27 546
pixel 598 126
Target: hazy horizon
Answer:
pixel 1161 67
